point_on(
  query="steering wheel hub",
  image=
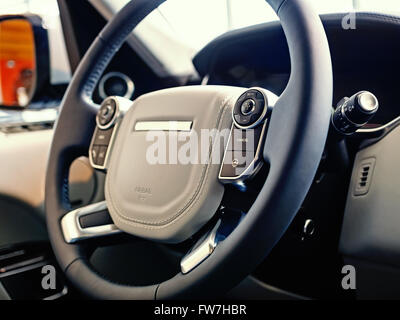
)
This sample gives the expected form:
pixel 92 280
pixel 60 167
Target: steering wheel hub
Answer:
pixel 162 180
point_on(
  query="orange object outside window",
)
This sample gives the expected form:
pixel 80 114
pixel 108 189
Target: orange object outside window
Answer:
pixel 17 60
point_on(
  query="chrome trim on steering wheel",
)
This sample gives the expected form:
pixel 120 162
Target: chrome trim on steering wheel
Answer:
pixel 201 251
pixel 72 230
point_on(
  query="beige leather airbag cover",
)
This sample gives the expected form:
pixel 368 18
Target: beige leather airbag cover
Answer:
pixel 167 202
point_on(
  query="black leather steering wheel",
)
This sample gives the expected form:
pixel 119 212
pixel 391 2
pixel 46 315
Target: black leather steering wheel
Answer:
pixel 293 147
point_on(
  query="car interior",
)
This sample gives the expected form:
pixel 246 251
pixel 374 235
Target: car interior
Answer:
pixel 319 194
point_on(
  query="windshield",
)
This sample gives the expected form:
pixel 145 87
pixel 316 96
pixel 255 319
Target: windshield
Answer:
pixel 197 22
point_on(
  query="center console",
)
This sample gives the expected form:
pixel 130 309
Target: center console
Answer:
pixel 30 272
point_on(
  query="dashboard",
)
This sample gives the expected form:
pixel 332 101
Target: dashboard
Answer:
pixel 363 59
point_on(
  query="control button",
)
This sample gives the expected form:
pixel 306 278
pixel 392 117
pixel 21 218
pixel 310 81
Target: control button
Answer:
pixel 101 157
pixel 250 108
pixel 251 94
pixel 244 120
pixel 367 102
pixel 236 162
pixel 106 112
pixel 95 219
pixel 94 151
pixel 102 137
pixel 245 139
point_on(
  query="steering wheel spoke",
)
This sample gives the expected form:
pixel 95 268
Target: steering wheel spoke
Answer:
pixel 201 250
pixel 92 221
pixel 207 243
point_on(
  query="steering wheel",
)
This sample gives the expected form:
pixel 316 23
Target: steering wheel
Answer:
pixel 172 203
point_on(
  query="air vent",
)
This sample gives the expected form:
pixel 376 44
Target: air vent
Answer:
pixel 116 84
pixel 364 176
pixel 18 128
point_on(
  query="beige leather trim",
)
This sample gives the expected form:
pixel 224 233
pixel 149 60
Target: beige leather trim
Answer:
pixel 167 202
pixel 23 162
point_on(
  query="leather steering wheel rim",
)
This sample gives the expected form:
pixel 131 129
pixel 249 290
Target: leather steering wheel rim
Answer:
pixel 293 151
